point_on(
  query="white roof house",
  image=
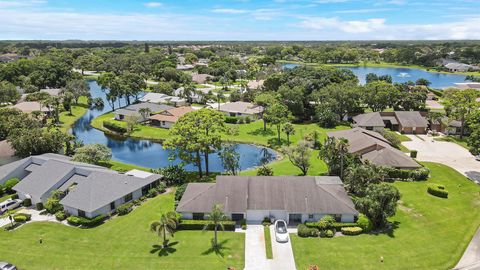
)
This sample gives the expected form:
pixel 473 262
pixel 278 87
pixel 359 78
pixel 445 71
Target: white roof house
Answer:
pixel 241 109
pixel 164 99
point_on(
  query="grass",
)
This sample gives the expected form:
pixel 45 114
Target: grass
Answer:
pixel 78 110
pixel 122 243
pixel 429 232
pixel 401 138
pixel 455 139
pixel 268 242
pixel 4 198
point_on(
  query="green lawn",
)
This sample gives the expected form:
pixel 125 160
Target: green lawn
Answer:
pixel 401 138
pixel 5 197
pixel 455 139
pixel 122 243
pixel 78 110
pixel 268 242
pixel 430 233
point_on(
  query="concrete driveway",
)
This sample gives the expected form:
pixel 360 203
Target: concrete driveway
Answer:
pixel 447 153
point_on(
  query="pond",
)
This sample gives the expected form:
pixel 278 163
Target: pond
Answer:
pixel 149 154
pixel 400 75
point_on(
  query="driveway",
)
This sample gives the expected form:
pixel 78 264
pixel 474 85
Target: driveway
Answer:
pixel 447 153
pixel 255 253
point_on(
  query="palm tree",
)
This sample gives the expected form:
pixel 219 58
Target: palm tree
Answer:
pixel 216 217
pixel 165 226
pixel 145 113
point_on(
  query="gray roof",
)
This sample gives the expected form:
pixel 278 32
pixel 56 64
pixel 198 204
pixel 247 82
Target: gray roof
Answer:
pixel 134 109
pixel 411 119
pixel 360 139
pixel 372 119
pixel 295 194
pixel 52 91
pixel 391 157
pixel 241 107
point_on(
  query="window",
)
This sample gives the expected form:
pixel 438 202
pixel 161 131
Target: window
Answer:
pixel 127 198
pixel 112 206
pixel 145 190
pixel 81 213
pixel 310 216
pixel 121 116
pixel 337 217
pixel 198 216
pixel 163 123
pixel 369 128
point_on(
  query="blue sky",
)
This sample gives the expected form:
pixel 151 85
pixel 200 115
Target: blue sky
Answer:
pixel 240 19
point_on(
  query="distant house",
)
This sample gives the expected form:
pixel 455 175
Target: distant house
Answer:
pixel 255 84
pixel 460 67
pixel 164 99
pixel 30 106
pixel 90 190
pixel 10 57
pixel 195 97
pixel 201 78
pixel 167 118
pixel 372 146
pixel 469 85
pixel 431 96
pixel 54 92
pixel 295 199
pixel 185 67
pixel 454 127
pixel 402 121
pixel 134 110
pixel 241 109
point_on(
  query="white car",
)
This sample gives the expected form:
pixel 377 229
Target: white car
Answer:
pixel 9 205
pixel 281 233
pixel 7 266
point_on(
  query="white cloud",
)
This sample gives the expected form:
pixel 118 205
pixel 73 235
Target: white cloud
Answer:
pixel 365 26
pixel 17 4
pixel 397 2
pixel 229 11
pixel 365 10
pixel 153 4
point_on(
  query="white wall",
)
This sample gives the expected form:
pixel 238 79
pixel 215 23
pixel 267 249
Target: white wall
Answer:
pixel 348 218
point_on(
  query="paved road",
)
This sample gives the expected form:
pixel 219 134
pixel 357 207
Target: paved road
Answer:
pixel 447 153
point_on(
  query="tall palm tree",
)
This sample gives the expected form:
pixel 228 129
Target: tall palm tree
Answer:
pixel 216 217
pixel 165 226
pixel 145 113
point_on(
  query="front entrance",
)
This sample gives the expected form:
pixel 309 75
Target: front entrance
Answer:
pixel 294 218
pixel 237 218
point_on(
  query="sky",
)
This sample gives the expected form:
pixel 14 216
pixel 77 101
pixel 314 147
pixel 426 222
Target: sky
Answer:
pixel 239 19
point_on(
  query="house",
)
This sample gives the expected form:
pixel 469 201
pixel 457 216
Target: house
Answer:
pixel 460 67
pixel 31 106
pixel 10 57
pixel 255 84
pixel 195 96
pixel 135 110
pixel 431 96
pixel 402 121
pixel 164 99
pixel 167 118
pixel 54 92
pixel 241 109
pixel 372 146
pixel 454 127
pixel 294 199
pixel 185 67
pixel 468 85
pixel 201 78
pixel 89 190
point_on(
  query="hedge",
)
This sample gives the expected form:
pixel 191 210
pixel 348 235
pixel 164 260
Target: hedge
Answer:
pixel 231 119
pixel 339 225
pixel 365 223
pixel 86 222
pixel 21 217
pixel 114 126
pixel 304 231
pixel 61 216
pixel 413 154
pixel 27 202
pixel 416 175
pixel 190 225
pixel 352 231
pixel 124 209
pixel 437 190
pixel 327 233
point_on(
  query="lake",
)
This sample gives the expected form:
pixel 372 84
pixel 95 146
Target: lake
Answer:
pixel 149 154
pixel 401 75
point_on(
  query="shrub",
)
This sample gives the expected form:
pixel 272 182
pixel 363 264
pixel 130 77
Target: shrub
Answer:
pixel 399 174
pixel 9 184
pixel 61 216
pixel 136 202
pixel 114 127
pixel 329 234
pixel 244 227
pixel 124 209
pixel 266 221
pixel 27 202
pixel 152 192
pixel 420 174
pixel 264 171
pixel 304 231
pixel 326 222
pixel 364 223
pixel 437 190
pixel 241 120
pixel 85 222
pixel 243 222
pixel 39 206
pixel 248 120
pixel 173 174
pixel 2 190
pixel 186 224
pixel 179 192
pixel 413 154
pixel 53 205
pixel 352 231
pixel 231 119
pixel 14 196
pixel 21 217
pixel 339 225
pixel 161 188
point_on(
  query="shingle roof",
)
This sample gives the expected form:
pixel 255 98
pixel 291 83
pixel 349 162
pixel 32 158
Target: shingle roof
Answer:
pixel 411 119
pixel 52 91
pixel 134 109
pixel 372 119
pixel 295 194
pixel 171 115
pixel 30 106
pixel 360 139
pixel 241 107
pixel 391 157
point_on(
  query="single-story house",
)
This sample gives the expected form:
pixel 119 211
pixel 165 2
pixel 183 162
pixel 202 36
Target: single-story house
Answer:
pixel 90 190
pixel 454 127
pixel 185 67
pixel 468 85
pixel 30 106
pixel 164 99
pixel 167 118
pixel 201 78
pixel 241 109
pixel 255 84
pixel 134 110
pixel 460 67
pixel 402 121
pixel 370 121
pixel 372 146
pixel 294 199
pixel 54 92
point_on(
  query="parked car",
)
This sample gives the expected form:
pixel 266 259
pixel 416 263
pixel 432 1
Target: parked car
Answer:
pixel 281 233
pixel 7 266
pixel 9 205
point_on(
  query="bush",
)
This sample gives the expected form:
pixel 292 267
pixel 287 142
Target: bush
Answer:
pixel 179 192
pixel 413 154
pixel 187 224
pixel 173 174
pixel 124 209
pixel 304 231
pixel 2 190
pixel 437 190
pixel 114 127
pixel 152 192
pixel 364 223
pixel 244 227
pixel 327 233
pixel 161 188
pixel 326 222
pixel 53 205
pixel 85 222
pixel 266 221
pixel 352 231
pixel 21 217
pixel 248 120
pixel 61 216
pixel 241 120
pixel 136 202
pixel 27 202
pixel 39 206
pixel 231 119
pixel 9 184
pixel 14 196
pixel 264 171
pixel 339 225
pixel 420 174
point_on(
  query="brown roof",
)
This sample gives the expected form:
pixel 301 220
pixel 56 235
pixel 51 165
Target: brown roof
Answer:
pixel 372 119
pixel 200 78
pixel 171 115
pixel 255 84
pixel 360 139
pixel 241 107
pixel 30 106
pixel 391 157
pixel 411 119
pixel 295 194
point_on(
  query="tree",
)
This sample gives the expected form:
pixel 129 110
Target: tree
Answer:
pixel 299 155
pixel 264 100
pixel 78 88
pixel 216 218
pixel 165 226
pixel 380 95
pixel 474 138
pixel 8 93
pixel 133 85
pixel 52 205
pixel 131 121
pixel 145 113
pixel 278 114
pixel 67 98
pixel 289 129
pixel 191 58
pixel 230 158
pixel 379 203
pixel 422 81
pixel 359 177
pixel 461 104
pixel 325 116
pixel 342 99
pixel 93 154
pixel 264 170
pixel 36 141
pixel 335 153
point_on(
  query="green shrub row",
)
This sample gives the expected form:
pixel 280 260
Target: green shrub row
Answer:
pixel 114 126
pixel 420 174
pixel 187 224
pixel 61 216
pixel 86 222
pixel 351 230
pixel 21 217
pixel 304 231
pixel 231 119
pixel 437 190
